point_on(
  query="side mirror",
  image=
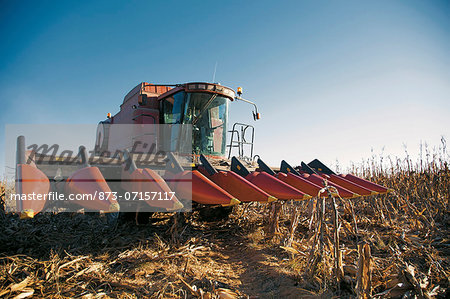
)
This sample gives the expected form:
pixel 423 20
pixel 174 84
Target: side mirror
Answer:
pixel 256 115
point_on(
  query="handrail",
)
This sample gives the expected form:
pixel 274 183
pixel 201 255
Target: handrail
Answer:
pixel 240 130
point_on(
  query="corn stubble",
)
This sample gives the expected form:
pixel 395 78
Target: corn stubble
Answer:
pixel 384 246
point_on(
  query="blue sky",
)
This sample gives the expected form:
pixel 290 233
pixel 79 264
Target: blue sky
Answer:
pixel 332 79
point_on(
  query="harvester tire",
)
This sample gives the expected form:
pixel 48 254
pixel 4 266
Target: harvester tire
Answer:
pixel 211 214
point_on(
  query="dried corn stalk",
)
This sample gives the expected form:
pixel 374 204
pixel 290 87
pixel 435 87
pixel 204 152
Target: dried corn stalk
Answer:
pixel 364 275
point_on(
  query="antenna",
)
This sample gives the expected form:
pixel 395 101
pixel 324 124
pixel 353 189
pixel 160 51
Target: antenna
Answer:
pixel 214 74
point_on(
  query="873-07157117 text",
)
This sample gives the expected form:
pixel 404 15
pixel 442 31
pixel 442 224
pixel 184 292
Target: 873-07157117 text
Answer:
pixel 147 195
pixel 129 196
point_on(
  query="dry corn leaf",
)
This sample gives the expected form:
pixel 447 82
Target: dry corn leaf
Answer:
pixel 21 285
pixel 226 294
pixel 26 292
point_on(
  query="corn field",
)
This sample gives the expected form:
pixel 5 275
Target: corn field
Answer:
pixel 383 246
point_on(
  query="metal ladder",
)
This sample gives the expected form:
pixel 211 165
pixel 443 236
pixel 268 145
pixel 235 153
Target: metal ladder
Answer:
pixel 239 141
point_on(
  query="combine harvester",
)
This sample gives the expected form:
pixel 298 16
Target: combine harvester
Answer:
pixel 216 178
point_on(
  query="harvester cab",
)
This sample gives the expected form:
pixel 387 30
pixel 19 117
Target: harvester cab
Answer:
pixel 203 106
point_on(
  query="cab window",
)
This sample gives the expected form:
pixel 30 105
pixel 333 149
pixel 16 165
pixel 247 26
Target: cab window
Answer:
pixel 172 108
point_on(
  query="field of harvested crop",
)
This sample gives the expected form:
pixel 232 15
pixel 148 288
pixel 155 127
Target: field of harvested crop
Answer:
pixel 395 245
